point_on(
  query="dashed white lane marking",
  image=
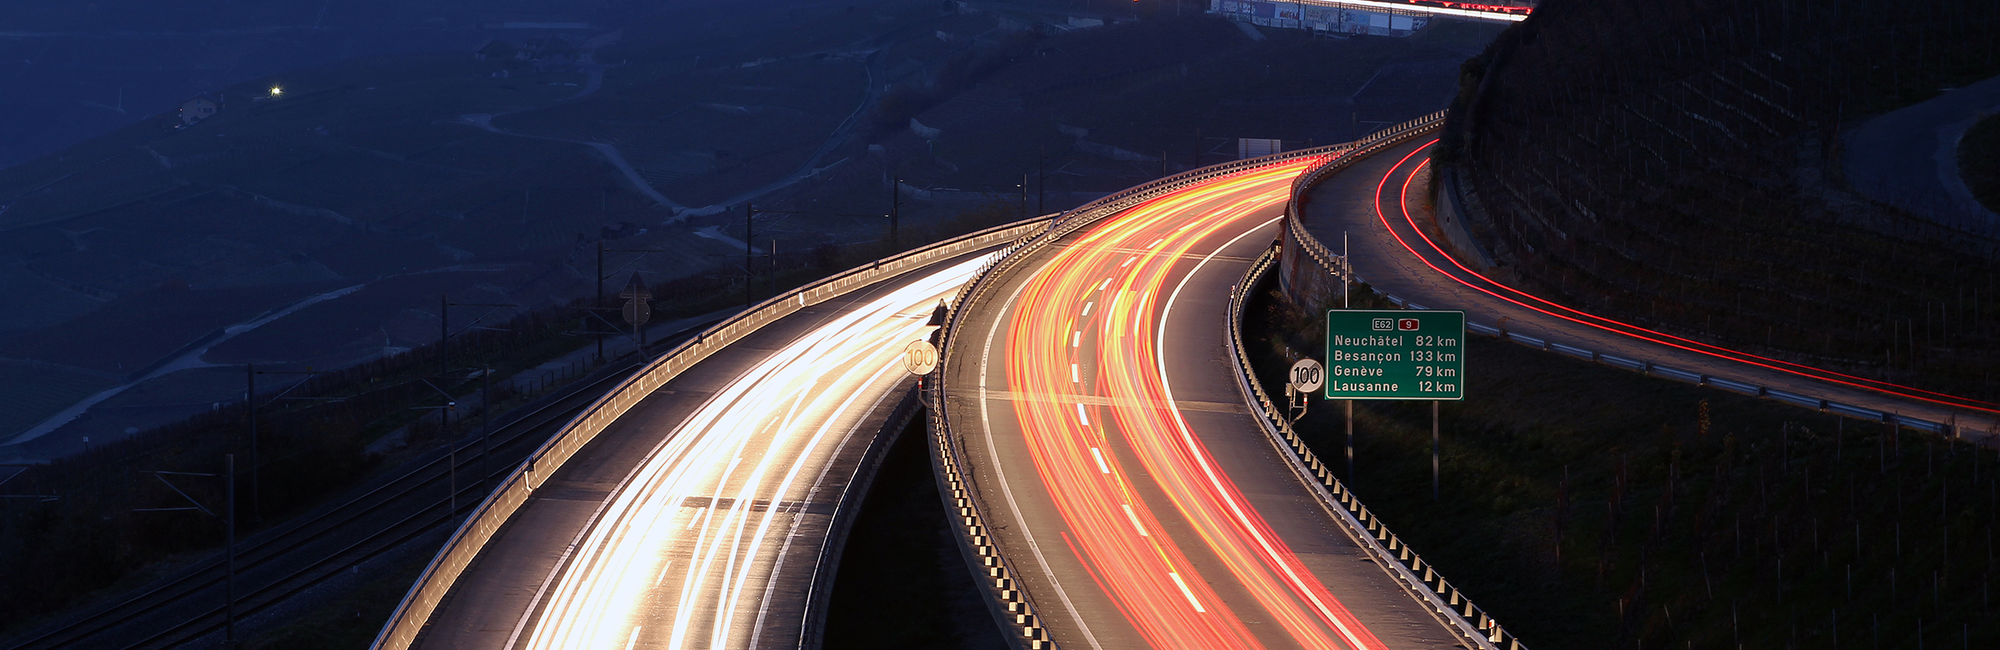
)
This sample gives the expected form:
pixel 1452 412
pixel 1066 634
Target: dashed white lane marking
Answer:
pixel 1186 592
pixel 1142 530
pixel 1103 467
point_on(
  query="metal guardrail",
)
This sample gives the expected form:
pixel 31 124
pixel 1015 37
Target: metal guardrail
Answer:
pixel 1401 133
pixel 1013 606
pixel 812 631
pixel 1417 578
pixel 1373 143
pixel 1016 608
pixel 1953 429
pixel 465 544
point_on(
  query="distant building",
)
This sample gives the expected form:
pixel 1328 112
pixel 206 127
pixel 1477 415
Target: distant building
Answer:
pixel 550 51
pixel 199 108
pixel 497 50
pixel 542 53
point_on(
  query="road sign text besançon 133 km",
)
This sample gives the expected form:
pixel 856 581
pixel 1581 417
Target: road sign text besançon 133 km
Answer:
pixel 1395 354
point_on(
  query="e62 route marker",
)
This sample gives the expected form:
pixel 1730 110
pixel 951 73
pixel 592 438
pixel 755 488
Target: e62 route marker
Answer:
pixel 1395 354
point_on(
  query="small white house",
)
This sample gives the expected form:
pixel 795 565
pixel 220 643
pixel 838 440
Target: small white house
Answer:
pixel 198 108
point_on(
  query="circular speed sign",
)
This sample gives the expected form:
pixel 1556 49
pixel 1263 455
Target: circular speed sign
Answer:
pixel 1307 376
pixel 920 358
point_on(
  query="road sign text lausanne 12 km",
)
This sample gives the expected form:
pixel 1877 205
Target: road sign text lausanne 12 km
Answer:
pixel 1385 354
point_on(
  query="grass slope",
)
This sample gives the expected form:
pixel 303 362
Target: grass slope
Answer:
pixel 1589 507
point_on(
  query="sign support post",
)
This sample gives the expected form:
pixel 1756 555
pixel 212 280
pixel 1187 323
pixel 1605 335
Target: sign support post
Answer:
pixel 1350 439
pixel 1435 443
pixel 1307 375
pixel 1396 355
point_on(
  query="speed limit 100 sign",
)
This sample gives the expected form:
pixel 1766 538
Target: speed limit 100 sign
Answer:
pixel 1307 376
pixel 920 357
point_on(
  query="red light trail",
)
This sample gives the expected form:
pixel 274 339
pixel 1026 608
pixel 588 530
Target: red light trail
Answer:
pixel 1098 304
pixel 1628 329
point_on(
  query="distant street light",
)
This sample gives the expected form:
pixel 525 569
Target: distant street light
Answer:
pixel 276 91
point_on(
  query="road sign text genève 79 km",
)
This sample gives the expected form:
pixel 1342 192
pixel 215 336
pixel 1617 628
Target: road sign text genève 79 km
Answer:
pixel 1395 354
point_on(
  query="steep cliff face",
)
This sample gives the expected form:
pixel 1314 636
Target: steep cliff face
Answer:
pixel 1676 162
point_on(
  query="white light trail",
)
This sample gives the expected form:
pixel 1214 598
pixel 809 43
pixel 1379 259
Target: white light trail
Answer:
pixel 733 471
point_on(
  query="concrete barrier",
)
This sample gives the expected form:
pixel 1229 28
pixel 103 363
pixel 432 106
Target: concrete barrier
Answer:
pixel 1012 608
pixel 414 612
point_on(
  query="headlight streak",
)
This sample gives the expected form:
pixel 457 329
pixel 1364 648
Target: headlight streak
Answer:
pixel 745 449
pixel 1148 577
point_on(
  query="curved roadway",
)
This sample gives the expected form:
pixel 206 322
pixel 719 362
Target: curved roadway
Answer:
pixel 1140 501
pixel 1377 202
pixel 699 518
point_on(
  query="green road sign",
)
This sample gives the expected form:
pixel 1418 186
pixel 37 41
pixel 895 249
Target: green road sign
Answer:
pixel 1384 354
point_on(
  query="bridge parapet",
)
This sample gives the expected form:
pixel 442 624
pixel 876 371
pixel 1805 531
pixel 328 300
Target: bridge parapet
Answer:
pixel 436 582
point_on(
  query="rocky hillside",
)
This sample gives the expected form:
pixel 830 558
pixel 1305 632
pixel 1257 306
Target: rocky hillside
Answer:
pixel 1677 162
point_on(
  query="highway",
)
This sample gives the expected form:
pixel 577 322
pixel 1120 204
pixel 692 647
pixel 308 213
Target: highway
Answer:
pixel 701 517
pixel 1377 202
pixel 1139 501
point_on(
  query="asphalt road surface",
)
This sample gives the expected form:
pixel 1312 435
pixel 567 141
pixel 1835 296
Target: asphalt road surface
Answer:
pixel 1373 202
pixel 698 519
pixel 1909 156
pixel 1140 502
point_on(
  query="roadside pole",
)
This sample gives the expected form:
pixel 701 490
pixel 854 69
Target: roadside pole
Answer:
pixel 229 550
pixel 228 518
pixel 1346 279
pixel 250 412
pixel 1350 439
pixel 895 209
pixel 250 373
pixel 600 299
pixel 1397 354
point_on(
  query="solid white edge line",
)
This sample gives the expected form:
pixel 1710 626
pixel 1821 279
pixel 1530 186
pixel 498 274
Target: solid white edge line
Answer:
pixel 1000 475
pixel 589 524
pixel 771 579
pixel 1187 434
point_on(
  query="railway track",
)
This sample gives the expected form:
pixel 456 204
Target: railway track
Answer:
pixel 314 548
